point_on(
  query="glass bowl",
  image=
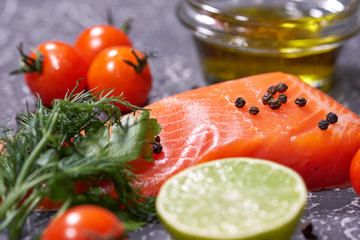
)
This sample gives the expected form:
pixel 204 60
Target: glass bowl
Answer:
pixel 238 38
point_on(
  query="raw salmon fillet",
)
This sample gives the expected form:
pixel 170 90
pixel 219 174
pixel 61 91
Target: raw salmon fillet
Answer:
pixel 203 124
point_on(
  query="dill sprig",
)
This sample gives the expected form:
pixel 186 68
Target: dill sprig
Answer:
pixel 49 152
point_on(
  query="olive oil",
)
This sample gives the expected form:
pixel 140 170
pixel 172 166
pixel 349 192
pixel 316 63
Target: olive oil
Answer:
pixel 283 39
pixel 222 63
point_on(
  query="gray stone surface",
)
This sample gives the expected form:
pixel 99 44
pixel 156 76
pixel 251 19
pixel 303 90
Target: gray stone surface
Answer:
pixel 335 214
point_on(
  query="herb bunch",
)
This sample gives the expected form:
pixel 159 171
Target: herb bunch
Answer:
pixel 49 152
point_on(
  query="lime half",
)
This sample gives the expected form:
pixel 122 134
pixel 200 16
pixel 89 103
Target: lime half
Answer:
pixel 232 198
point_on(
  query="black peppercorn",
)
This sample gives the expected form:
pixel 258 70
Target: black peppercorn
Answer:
pixel 272 90
pixel 282 98
pixel 307 231
pixel 240 102
pixel 332 117
pixel 157 147
pixel 274 104
pixel 266 98
pixel 281 87
pixel 254 110
pixel 323 124
pixel 301 102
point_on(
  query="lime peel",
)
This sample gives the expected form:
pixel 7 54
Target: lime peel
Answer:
pixel 232 198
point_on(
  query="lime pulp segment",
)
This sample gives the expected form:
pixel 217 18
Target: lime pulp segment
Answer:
pixel 234 198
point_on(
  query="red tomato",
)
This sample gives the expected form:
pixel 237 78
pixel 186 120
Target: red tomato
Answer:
pixel 110 71
pixel 107 187
pixel 84 222
pixel 47 204
pixel 355 172
pixel 93 40
pixel 80 187
pixel 62 67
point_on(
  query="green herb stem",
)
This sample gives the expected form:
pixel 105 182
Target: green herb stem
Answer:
pixel 14 196
pixel 36 152
pixel 29 205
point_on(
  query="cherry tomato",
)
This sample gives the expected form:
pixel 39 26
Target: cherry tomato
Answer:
pixel 84 222
pixel 46 204
pixel 93 40
pixel 80 187
pixel 107 187
pixel 132 78
pixel 62 67
pixel 355 172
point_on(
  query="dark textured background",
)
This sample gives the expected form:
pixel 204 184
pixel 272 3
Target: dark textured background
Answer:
pixel 335 214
